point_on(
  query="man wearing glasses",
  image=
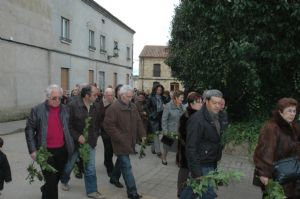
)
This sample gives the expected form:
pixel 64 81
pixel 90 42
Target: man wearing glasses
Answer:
pixel 47 126
pixel 123 124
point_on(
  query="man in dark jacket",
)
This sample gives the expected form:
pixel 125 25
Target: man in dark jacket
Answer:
pixel 108 99
pixel 203 142
pixel 80 110
pixel 47 126
pixel 123 124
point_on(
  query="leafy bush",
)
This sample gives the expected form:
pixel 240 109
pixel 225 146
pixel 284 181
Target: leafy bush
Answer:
pixel 247 49
pixel 243 132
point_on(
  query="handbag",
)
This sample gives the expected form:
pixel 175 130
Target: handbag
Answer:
pixel 286 170
pixel 167 140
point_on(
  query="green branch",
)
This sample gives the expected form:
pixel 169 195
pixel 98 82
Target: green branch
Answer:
pixel 84 149
pixel 213 179
pixel 274 191
pixel 42 156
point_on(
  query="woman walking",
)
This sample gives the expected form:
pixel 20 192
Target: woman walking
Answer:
pixel 278 140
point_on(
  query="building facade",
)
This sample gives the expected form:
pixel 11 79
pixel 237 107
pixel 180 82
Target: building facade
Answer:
pixel 153 70
pixel 65 42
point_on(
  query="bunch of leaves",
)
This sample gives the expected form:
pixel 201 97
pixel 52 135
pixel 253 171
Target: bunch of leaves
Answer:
pixel 243 132
pixel 173 135
pixel 274 191
pixel 84 149
pixel 42 156
pixel 145 143
pixel 213 179
pixel 33 173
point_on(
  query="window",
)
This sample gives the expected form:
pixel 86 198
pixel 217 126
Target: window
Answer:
pixel 102 80
pixel 128 53
pixel 156 70
pixel 91 76
pixel 64 78
pixel 127 79
pixel 91 40
pixel 102 43
pixel 115 80
pixel 174 86
pixel 116 49
pixel 65 30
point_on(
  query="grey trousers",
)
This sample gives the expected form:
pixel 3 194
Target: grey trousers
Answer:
pixel 156 143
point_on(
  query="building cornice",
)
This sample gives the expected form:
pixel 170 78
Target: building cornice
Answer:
pixel 107 14
pixel 158 79
pixel 63 52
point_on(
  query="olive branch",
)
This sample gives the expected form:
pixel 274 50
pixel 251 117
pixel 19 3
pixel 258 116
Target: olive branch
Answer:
pixel 213 179
pixel 42 156
pixel 274 191
pixel 84 149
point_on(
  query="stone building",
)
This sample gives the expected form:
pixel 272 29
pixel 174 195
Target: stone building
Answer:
pixel 153 70
pixel 59 41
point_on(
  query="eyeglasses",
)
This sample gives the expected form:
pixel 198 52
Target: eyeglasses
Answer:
pixel 56 98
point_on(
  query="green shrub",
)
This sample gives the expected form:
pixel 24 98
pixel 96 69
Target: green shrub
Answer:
pixel 243 132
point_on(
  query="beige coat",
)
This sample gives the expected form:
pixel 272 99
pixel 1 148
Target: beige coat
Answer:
pixel 123 124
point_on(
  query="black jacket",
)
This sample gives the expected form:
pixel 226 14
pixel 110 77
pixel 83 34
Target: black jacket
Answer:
pixel 181 155
pixel 78 114
pixel 5 174
pixel 37 125
pixel 203 143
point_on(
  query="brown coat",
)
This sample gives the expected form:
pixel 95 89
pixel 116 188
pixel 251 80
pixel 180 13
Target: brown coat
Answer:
pixel 277 140
pixel 123 124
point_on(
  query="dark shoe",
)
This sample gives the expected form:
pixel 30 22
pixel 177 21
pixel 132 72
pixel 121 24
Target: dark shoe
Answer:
pixel 135 196
pixel 117 184
pixel 78 175
pixel 164 162
pixel 159 154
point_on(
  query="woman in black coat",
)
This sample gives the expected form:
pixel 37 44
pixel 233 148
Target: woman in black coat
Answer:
pixel 194 101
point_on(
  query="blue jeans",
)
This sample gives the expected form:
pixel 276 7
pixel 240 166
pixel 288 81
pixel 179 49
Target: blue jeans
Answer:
pixel 123 166
pixel 90 177
pixel 187 192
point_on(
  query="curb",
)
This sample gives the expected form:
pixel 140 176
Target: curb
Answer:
pixel 19 130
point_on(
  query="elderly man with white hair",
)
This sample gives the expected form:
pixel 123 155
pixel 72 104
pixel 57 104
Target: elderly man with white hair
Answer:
pixel 108 99
pixel 47 126
pixel 123 124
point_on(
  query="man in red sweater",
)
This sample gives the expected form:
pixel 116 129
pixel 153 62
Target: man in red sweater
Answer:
pixel 47 126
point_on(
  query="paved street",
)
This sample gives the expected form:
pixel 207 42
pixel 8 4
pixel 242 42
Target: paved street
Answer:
pixel 154 180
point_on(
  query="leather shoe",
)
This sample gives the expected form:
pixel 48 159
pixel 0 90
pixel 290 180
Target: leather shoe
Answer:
pixel 117 184
pixel 135 196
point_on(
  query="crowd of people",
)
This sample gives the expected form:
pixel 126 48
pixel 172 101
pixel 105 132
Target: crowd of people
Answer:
pixel 124 116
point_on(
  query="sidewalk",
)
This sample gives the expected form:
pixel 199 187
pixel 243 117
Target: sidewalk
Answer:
pixel 7 128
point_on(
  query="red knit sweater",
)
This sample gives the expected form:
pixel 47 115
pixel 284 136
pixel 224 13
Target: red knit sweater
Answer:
pixel 55 133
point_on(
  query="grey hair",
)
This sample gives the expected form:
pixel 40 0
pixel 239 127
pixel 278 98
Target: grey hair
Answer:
pixel 212 93
pixel 109 90
pixel 125 89
pixel 52 87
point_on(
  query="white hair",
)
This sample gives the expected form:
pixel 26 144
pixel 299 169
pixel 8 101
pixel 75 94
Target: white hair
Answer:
pixel 109 90
pixel 125 89
pixel 52 87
